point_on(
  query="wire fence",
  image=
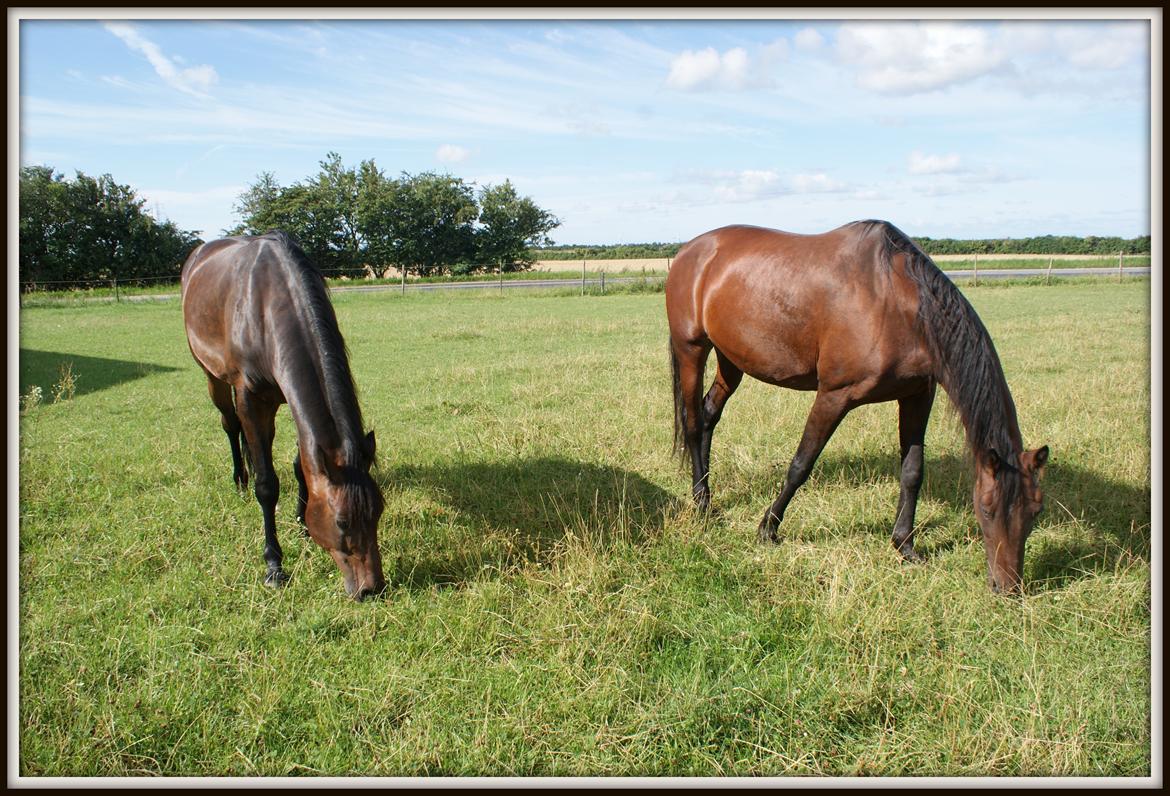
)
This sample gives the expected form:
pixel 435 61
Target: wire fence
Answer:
pixel 389 278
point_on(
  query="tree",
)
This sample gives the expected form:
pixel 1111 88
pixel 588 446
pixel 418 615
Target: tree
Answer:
pixel 509 225
pixel 42 212
pixel 92 229
pixel 354 218
pixel 257 207
pixel 431 221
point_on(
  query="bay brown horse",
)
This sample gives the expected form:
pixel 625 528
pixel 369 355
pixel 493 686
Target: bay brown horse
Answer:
pixel 859 315
pixel 260 324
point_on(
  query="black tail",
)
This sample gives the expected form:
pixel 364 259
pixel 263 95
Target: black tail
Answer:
pixel 680 443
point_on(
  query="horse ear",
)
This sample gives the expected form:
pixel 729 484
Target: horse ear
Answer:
pixel 1035 460
pixel 371 445
pixel 994 461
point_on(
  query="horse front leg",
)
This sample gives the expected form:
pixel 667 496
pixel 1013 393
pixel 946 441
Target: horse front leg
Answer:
pixel 302 489
pixel 913 415
pixel 259 420
pixel 827 411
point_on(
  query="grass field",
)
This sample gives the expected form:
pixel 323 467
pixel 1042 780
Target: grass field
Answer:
pixel 556 608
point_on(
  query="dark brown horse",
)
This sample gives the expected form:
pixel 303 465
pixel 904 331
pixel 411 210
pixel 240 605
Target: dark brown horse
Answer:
pixel 860 315
pixel 260 324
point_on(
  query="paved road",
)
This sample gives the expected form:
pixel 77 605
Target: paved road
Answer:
pixel 570 284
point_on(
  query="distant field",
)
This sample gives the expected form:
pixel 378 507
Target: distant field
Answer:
pixel 556 607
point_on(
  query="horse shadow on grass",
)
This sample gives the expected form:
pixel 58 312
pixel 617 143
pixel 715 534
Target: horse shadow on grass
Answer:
pixel 1090 523
pixel 491 515
pixel 48 369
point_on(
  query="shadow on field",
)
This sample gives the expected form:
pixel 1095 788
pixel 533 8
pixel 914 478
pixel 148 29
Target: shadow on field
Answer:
pixel 1101 523
pixel 1106 524
pixel 46 369
pixel 509 512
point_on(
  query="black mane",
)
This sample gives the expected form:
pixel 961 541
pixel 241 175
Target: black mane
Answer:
pixel 331 355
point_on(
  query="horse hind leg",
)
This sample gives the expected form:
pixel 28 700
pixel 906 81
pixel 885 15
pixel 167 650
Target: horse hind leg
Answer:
pixel 913 415
pixel 259 421
pixel 221 396
pixel 827 411
pixel 727 379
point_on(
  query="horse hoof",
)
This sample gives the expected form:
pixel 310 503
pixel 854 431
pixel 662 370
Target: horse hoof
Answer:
pixel 766 535
pixel 275 579
pixel 912 557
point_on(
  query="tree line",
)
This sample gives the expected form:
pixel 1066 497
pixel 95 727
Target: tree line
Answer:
pixel 1043 244
pixel 351 221
pixel 357 220
pixel 92 229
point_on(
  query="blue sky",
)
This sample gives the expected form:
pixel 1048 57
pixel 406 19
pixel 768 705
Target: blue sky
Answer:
pixel 627 130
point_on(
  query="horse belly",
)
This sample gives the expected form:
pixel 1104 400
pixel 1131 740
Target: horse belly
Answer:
pixel 766 331
pixel 773 353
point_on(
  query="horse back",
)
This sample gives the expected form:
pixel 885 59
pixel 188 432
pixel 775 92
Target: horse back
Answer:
pixel 237 295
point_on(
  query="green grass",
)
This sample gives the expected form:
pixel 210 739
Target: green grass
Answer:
pixel 556 607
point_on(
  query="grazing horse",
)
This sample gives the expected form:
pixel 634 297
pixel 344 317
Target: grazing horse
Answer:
pixel 260 324
pixel 860 315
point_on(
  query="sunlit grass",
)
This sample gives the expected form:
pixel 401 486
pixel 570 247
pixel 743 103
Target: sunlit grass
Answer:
pixel 556 607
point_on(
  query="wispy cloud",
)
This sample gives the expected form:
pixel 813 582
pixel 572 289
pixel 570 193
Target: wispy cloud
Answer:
pixel 452 153
pixel 817 183
pixel 751 185
pixel 809 39
pixel 195 80
pixel 921 163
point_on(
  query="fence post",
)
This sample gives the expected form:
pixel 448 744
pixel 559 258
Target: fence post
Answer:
pixel 404 280
pixel 1048 278
pixel 1119 256
pixel 603 281
pixel 582 276
pixel 976 269
pixel 117 296
pixel 501 266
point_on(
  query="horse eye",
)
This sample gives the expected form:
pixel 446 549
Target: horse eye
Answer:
pixel 343 524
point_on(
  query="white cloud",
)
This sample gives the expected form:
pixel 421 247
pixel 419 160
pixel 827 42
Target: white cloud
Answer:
pixel 755 184
pixel 920 163
pixel 908 58
pixel 816 183
pixel 452 153
pixel 195 80
pixel 778 50
pixel 1112 48
pixel 697 70
pixel 809 39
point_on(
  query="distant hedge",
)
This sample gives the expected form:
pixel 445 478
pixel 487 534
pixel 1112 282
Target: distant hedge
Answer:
pixel 1044 244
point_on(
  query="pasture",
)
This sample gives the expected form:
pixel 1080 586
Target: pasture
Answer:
pixel 555 606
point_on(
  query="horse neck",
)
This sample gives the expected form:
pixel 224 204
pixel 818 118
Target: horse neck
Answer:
pixel 964 359
pixel 325 419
